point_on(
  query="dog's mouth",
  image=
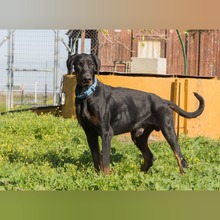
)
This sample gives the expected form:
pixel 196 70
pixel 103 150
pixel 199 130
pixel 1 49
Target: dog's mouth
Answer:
pixel 87 84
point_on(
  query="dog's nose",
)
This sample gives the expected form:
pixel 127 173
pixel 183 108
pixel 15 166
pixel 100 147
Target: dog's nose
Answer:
pixel 87 79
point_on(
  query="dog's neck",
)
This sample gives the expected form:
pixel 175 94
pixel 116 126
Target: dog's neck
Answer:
pixel 88 92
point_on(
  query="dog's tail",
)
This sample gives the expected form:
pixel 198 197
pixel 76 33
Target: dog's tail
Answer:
pixel 185 114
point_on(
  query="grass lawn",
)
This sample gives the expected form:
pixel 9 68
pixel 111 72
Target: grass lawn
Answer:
pixel 51 153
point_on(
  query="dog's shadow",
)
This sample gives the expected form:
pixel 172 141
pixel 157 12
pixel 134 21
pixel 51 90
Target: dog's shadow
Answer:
pixel 85 159
pixel 115 157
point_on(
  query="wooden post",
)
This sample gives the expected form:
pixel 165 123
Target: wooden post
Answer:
pixel 83 41
pixel 178 116
pixel 69 85
pixel 35 92
pixel 185 105
pixel 176 99
pixel 22 94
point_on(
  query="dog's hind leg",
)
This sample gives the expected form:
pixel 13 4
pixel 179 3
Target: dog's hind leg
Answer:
pixel 140 138
pixel 170 136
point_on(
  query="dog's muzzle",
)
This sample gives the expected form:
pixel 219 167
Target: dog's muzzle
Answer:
pixel 88 92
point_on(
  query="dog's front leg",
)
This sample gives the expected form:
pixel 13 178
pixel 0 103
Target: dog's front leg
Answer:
pixel 92 140
pixel 106 146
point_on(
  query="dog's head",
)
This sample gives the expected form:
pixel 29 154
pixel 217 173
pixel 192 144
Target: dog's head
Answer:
pixel 85 68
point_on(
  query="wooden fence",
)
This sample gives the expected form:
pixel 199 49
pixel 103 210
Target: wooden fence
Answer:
pixel 202 49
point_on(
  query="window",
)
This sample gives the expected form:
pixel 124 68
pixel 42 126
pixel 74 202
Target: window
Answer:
pixel 149 49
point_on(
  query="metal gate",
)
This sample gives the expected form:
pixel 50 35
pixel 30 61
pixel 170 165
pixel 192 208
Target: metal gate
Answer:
pixel 30 70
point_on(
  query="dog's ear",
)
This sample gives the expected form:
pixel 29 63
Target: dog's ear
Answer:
pixel 97 63
pixel 69 63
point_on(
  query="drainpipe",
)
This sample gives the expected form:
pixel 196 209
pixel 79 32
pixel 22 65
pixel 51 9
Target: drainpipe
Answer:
pixel 184 52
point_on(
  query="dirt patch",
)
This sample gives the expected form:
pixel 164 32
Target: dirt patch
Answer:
pixel 126 138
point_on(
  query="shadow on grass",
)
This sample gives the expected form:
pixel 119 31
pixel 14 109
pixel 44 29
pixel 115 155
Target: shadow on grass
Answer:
pixel 84 159
pixel 59 160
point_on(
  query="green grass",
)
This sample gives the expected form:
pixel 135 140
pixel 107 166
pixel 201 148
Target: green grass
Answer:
pixel 51 153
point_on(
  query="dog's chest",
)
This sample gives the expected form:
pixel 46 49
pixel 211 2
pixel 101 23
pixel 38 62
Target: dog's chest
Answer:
pixel 87 114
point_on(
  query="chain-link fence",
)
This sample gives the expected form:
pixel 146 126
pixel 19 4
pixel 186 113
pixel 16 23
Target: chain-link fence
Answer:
pixel 31 66
pixel 83 41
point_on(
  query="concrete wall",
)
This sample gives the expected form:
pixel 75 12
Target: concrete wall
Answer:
pixel 180 90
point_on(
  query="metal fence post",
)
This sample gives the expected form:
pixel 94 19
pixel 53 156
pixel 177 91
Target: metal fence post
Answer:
pixel 56 66
pixel 9 99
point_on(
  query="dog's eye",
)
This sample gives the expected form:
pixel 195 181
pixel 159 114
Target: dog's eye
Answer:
pixel 90 63
pixel 80 64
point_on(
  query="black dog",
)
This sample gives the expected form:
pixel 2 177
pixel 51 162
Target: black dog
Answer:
pixel 106 111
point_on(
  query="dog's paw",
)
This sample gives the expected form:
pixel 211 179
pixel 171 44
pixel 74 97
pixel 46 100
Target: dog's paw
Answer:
pixel 184 163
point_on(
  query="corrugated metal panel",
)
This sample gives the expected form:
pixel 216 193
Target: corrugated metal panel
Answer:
pixel 174 55
pixel 114 46
pixel 208 54
pixel 193 54
pixel 203 53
